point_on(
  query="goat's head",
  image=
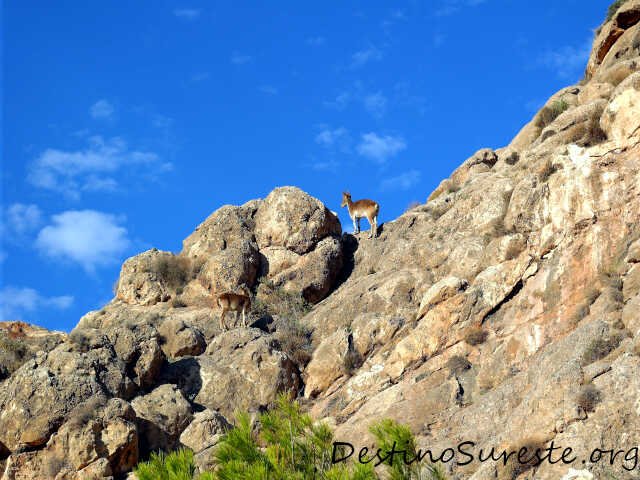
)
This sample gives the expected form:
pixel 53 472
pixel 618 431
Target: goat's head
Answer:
pixel 346 198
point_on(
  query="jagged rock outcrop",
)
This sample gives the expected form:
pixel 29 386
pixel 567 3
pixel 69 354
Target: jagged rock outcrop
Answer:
pixel 502 311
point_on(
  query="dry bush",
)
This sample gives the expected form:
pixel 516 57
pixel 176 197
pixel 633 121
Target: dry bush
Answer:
pixel 517 465
pixel 352 360
pixel 276 301
pixel 178 302
pixel 457 365
pixel 546 169
pixel 588 397
pixel 13 353
pixel 599 348
pixel 550 112
pixel 295 341
pixel 174 271
pixel 475 336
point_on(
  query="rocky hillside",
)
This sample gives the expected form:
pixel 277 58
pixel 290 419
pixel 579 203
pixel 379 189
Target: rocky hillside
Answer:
pixel 503 311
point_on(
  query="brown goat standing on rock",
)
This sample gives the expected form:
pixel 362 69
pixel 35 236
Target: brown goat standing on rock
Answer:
pixel 235 302
pixel 362 208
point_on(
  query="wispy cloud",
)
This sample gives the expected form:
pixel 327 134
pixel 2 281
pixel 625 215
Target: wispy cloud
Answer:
pixel 380 148
pixel 16 302
pixel 238 58
pixel 20 219
pixel 334 139
pixel 340 101
pixel 316 41
pixel 102 109
pixel 375 104
pixel 567 61
pixel 187 13
pixel 86 237
pixel 93 168
pixel 450 7
pixel 403 181
pixel 268 89
pixel 364 56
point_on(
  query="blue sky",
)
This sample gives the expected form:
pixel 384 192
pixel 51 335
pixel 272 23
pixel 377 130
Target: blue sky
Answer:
pixel 127 124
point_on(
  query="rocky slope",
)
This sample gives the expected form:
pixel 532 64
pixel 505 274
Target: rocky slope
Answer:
pixel 503 311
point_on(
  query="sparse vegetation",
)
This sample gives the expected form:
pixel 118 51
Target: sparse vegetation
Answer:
pixel 547 168
pixel 458 365
pixel 173 270
pixel 588 397
pixel 276 301
pixel 550 112
pixel 601 347
pixel 613 8
pixel 352 360
pixel 294 340
pixel 13 353
pixel 524 458
pixel 475 336
pixel 178 302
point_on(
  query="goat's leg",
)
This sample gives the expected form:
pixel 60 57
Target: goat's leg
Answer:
pixel 356 226
pixel 224 312
pixel 244 318
pixel 373 222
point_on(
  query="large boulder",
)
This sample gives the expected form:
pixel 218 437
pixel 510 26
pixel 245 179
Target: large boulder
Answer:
pixel 291 218
pixel 242 369
pixel 202 435
pixel 151 277
pixel 99 440
pixel 229 268
pixel 19 342
pixel 229 225
pixel 180 338
pixel 314 273
pixel 138 345
pixel 609 45
pixel 44 391
pixel 621 117
pixel 162 415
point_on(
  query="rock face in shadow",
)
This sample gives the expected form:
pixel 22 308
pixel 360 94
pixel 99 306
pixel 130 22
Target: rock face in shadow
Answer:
pixel 502 311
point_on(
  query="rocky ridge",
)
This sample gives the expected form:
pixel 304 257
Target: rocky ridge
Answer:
pixel 502 311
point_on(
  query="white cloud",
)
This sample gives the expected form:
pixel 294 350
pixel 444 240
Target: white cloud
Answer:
pixel 92 169
pixel 268 89
pixel 317 41
pixel 101 109
pixel 403 181
pixel 362 57
pixel 187 13
pixel 240 59
pixel 86 237
pixel 337 138
pixel 16 301
pixel 380 148
pixel 375 104
pixel 20 219
pixel 568 61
